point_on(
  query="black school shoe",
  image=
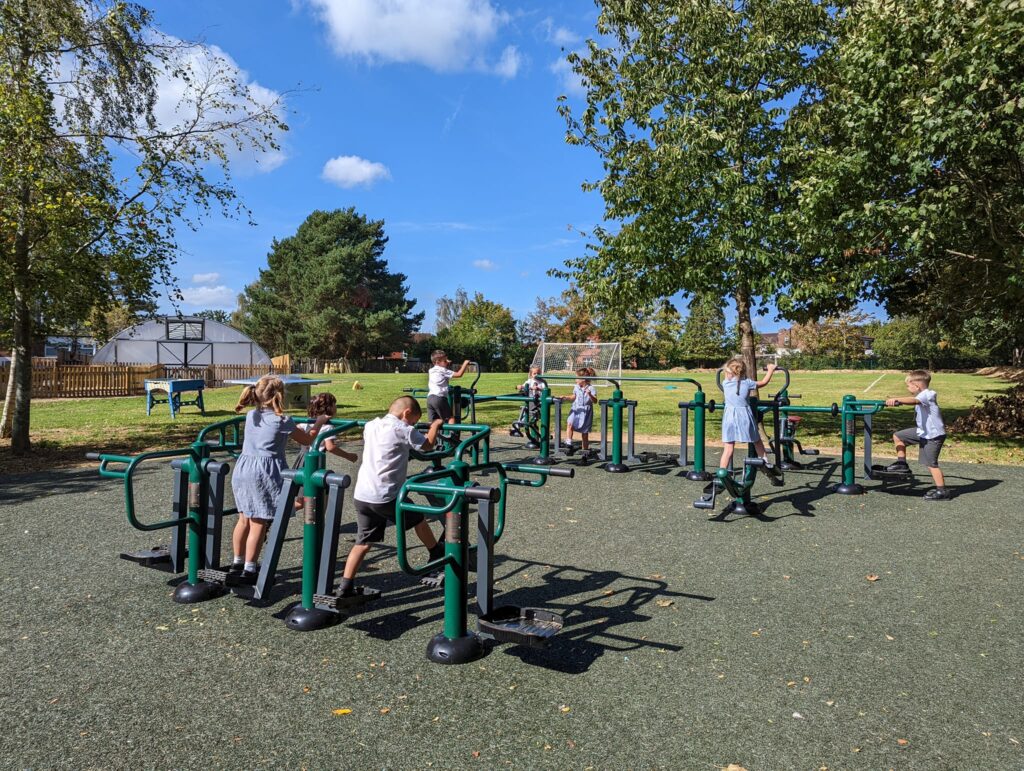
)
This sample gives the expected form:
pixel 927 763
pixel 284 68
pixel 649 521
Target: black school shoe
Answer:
pixel 937 494
pixel 899 467
pixel 774 475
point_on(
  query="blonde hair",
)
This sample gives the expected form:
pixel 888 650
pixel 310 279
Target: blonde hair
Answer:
pixel 437 356
pixel 403 403
pixel 736 367
pixel 267 392
pixel 919 376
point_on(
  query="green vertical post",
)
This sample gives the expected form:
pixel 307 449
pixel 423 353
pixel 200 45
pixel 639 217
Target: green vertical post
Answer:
pixel 194 590
pixel 311 538
pixel 456 549
pixel 616 403
pixel 544 459
pixel 699 474
pixel 848 424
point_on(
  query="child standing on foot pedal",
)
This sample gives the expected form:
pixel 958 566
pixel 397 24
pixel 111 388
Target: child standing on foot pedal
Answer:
pixel 438 377
pixel 386 445
pixel 929 434
pixel 738 424
pixel 581 414
pixel 256 481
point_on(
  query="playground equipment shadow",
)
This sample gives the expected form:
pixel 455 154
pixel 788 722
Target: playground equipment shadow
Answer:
pixel 856 632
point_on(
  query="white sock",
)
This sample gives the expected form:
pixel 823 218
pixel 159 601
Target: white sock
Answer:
pixel 250 566
pixel 237 560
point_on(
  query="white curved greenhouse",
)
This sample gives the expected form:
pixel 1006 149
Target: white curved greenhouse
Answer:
pixel 181 341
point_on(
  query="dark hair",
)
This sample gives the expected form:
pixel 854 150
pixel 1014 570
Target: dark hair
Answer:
pixel 403 403
pixel 322 404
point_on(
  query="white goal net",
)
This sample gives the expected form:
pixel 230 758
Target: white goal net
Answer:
pixel 565 358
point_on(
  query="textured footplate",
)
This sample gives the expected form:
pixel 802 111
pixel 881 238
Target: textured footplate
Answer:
pixel 433 580
pixel 158 555
pixel 522 626
pixel 361 596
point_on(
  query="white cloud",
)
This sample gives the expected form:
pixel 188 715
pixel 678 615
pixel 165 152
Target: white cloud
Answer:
pixel 569 80
pixel 222 297
pixel 560 36
pixel 484 265
pixel 444 35
pixel 351 170
pixel 207 279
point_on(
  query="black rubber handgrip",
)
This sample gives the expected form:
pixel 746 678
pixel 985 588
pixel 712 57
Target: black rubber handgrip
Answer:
pixel 92 456
pixel 483 493
pixel 569 473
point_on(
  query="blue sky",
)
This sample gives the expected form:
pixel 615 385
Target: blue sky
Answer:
pixel 436 116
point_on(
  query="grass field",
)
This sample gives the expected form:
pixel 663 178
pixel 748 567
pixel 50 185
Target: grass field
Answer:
pixel 64 429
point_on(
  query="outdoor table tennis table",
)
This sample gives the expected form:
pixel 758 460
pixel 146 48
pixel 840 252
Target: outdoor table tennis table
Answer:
pixel 296 388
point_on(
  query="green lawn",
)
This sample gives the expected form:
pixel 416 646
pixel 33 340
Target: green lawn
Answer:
pixel 65 429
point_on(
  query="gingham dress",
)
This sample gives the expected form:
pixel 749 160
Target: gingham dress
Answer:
pixel 256 480
pixel 738 424
pixel 581 415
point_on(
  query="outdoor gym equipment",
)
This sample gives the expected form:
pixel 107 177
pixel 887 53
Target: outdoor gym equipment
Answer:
pixel 450 491
pixel 743 502
pixel 197 508
pixel 615 460
pixel 851 409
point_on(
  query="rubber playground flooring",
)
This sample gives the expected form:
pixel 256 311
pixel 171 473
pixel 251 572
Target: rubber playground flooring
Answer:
pixel 868 632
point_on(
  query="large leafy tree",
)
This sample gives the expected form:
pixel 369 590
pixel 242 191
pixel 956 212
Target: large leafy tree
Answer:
pixel 484 331
pixel 684 107
pixel 568 318
pixel 92 182
pixel 327 292
pixel 911 150
pixel 704 340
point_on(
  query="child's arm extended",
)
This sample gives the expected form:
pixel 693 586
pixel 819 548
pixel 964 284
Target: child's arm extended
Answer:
pixel 332 447
pixel 431 435
pixel 896 401
pixel 769 371
pixel 305 436
pixel 591 394
pixel 461 370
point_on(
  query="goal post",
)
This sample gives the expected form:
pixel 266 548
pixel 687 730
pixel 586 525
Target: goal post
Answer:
pixel 565 358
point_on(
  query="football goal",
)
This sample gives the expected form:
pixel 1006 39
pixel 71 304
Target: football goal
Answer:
pixel 566 358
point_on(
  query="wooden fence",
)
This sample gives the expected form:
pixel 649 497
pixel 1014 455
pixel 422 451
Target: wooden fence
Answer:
pixel 51 380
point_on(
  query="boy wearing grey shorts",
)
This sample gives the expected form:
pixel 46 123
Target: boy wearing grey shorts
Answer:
pixel 386 444
pixel 929 434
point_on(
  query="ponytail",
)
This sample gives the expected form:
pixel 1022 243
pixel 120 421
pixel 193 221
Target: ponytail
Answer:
pixel 247 399
pixel 267 393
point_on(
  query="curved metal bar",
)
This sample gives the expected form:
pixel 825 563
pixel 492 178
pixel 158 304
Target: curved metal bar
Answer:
pixel 628 379
pixel 128 476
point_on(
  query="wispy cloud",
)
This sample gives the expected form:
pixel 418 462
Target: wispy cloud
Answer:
pixel 215 297
pixel 351 170
pixel 558 35
pixel 450 120
pixel 206 279
pixel 484 265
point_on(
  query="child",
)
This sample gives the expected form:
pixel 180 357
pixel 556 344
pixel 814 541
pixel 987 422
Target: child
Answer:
pixel 929 434
pixel 437 392
pixel 256 480
pixel 327 405
pixel 738 423
pixel 386 444
pixel 532 387
pixel 581 414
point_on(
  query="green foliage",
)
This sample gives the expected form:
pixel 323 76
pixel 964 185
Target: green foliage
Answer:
pixel 911 150
pixel 841 338
pixel 326 292
pixel 683 107
pixel 704 341
pixel 568 318
pixel 903 343
pixel 484 332
pixel 450 308
pixel 214 315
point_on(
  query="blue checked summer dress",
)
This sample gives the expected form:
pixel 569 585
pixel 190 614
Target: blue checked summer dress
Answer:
pixel 738 424
pixel 581 415
pixel 256 480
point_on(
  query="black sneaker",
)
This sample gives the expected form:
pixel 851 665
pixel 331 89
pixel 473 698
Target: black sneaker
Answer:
pixel 236 567
pixel 937 494
pixel 568 449
pixel 774 475
pixel 899 467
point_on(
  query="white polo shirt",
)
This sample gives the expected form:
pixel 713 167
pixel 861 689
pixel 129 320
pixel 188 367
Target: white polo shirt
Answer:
pixel 386 445
pixel 929 419
pixel 437 381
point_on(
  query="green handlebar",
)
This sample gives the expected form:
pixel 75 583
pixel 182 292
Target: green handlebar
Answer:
pixel 132 463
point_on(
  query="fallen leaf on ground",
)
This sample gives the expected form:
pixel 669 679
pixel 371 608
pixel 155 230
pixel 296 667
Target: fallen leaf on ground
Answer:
pixel 902 742
pixel 871 577
pixel 342 712
pixel 564 708
pixel 733 767
pixel 476 753
pixel 665 603
pixel 385 710
pixel 798 716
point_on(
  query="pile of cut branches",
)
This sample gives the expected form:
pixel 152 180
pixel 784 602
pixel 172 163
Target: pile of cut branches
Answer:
pixel 999 415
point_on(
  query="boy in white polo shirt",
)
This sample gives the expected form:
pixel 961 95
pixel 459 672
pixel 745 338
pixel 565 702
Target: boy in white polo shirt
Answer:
pixel 437 390
pixel 929 434
pixel 386 444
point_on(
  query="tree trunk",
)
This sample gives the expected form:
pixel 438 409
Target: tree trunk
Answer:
pixel 5 421
pixel 20 442
pixel 746 331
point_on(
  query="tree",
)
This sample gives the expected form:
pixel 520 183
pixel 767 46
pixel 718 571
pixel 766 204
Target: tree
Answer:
pixel 683 107
pixel 630 326
pixel 568 318
pixel 666 331
pixel 484 332
pixel 79 226
pixel 449 309
pixel 704 338
pixel 840 337
pixel 327 292
pixel 911 150
pixel 214 315
pixel 903 343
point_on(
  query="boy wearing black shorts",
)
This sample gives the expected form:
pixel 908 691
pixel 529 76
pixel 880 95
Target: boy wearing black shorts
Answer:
pixel 929 434
pixel 437 390
pixel 386 444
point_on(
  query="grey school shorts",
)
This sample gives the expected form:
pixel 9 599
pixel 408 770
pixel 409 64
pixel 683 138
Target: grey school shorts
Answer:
pixel 438 407
pixel 930 448
pixel 372 520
